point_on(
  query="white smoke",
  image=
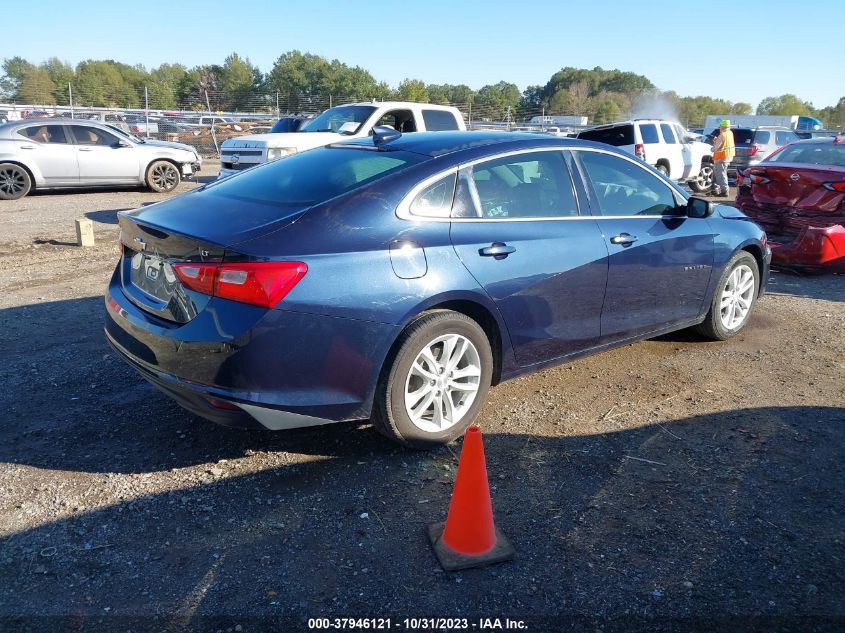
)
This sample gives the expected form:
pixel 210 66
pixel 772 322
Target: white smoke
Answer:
pixel 654 106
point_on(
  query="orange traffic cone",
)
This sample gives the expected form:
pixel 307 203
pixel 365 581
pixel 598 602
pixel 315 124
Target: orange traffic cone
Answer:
pixel 469 537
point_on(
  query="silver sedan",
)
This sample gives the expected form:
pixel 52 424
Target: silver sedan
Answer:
pixel 62 153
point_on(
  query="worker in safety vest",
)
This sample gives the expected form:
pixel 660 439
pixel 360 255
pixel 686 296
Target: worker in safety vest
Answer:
pixel 723 153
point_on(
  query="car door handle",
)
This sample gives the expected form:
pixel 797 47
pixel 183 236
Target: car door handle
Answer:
pixel 27 146
pixel 84 149
pixel 624 239
pixel 499 250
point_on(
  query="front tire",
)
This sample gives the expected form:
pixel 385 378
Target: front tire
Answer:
pixel 437 382
pixel 163 176
pixel 704 181
pixel 733 300
pixel 15 182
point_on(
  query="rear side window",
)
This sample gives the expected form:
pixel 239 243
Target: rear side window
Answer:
pixel 782 138
pixel 668 135
pixel 764 138
pixel 435 201
pixel 813 153
pixel 649 133
pixel 624 189
pixel 531 185
pixel 617 135
pixel 45 133
pixel 439 120
pixel 314 176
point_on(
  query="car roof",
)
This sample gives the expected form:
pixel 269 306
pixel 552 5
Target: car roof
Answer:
pixel 398 104
pixel 822 139
pixel 436 144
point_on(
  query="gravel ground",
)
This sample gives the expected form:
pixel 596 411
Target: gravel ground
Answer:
pixel 674 484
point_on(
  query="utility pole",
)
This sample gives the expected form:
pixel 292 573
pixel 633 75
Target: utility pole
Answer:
pixel 147 110
pixel 70 98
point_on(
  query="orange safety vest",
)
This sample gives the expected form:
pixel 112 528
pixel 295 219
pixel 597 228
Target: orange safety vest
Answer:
pixel 725 150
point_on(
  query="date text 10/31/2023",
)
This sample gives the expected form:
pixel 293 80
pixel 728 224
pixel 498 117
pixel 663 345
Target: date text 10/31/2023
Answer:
pixel 417 624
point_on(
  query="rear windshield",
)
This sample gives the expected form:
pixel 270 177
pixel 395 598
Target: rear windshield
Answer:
pixel 617 135
pixel 306 179
pixel 814 153
pixel 743 137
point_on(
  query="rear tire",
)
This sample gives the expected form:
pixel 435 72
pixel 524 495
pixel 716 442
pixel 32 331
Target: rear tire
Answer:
pixel 704 181
pixel 15 182
pixel 437 381
pixel 163 176
pixel 733 300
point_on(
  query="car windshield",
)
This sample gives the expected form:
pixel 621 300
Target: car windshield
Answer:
pixel 306 179
pixel 813 153
pixel 350 118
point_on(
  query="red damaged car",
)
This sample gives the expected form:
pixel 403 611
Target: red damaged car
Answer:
pixel 798 196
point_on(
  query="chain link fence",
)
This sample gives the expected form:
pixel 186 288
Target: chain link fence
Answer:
pixel 205 118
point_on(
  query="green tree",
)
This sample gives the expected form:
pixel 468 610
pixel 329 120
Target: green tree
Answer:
pixel 163 86
pixel 106 83
pixel 412 90
pixel 497 101
pixel 61 74
pixel 239 83
pixel 606 112
pixel 742 108
pixel 787 104
pixel 14 70
pixel 834 116
pixel 37 87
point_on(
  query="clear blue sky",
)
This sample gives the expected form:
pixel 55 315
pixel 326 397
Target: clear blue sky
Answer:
pixel 742 51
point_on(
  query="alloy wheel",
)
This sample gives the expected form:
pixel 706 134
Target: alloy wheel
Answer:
pixel 442 383
pixel 737 297
pixel 165 177
pixel 12 181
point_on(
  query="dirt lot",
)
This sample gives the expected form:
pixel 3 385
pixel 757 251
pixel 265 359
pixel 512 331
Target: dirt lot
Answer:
pixel 673 484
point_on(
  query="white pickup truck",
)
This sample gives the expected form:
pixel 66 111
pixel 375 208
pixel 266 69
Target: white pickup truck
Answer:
pixel 342 122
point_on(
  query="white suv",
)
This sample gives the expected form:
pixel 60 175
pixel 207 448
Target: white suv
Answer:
pixel 665 145
pixel 352 120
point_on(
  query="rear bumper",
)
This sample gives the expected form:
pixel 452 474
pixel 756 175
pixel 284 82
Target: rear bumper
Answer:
pixel 814 249
pixel 273 369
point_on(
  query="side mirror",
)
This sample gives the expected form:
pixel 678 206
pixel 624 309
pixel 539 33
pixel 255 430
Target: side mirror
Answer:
pixel 699 208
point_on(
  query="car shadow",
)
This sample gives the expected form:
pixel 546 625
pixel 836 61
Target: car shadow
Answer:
pixel 829 287
pixel 722 521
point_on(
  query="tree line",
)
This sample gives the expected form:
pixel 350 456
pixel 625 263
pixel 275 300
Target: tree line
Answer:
pixel 304 82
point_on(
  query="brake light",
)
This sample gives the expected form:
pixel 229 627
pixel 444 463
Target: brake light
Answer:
pixel 835 186
pixel 258 283
pixel 754 179
pixel 639 150
pixel 752 151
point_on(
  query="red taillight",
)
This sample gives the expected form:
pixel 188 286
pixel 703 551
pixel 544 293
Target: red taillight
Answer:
pixel 753 150
pixel 639 150
pixel 754 179
pixel 221 404
pixel 135 129
pixel 259 283
pixel 199 277
pixel 835 186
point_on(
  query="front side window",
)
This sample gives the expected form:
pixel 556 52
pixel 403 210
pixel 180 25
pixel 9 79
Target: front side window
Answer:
pixel 668 135
pixel 530 185
pixel 649 133
pixel 45 133
pixel 92 136
pixel 625 189
pixel 439 120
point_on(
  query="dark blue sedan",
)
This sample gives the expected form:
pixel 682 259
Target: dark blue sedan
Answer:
pixel 397 278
